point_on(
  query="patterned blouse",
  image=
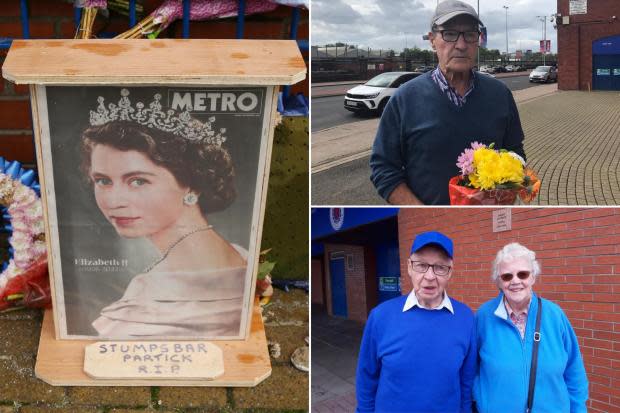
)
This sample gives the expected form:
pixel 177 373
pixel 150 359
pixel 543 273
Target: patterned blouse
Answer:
pixel 519 320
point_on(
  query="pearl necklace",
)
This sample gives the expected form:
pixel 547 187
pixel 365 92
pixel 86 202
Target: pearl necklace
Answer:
pixel 165 254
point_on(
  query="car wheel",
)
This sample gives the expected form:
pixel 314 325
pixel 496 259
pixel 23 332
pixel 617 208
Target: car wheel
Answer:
pixel 382 106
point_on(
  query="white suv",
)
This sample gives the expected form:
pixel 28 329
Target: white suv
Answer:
pixel 373 95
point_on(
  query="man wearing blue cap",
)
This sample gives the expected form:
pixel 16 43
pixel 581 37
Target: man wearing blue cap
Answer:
pixel 418 352
pixel 433 118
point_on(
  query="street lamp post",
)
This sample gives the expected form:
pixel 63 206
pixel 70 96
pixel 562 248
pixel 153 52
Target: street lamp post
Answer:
pixel 478 11
pixel 543 19
pixel 506 7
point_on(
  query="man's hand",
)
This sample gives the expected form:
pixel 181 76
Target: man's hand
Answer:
pixel 402 195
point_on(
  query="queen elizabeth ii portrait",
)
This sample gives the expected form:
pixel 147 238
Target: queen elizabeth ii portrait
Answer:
pixel 155 200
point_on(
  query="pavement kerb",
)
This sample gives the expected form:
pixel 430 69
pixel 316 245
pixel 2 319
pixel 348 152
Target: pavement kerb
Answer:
pixel 341 144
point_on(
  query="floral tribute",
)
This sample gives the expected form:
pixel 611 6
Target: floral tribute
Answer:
pixel 492 177
pixel 24 280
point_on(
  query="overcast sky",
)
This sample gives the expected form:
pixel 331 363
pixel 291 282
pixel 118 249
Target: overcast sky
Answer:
pixel 390 24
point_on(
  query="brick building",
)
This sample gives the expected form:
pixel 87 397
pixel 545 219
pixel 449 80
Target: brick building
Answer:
pixel 55 19
pixel 588 44
pixel 579 253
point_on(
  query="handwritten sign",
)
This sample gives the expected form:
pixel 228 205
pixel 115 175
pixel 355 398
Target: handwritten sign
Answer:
pixel 502 220
pixel 153 360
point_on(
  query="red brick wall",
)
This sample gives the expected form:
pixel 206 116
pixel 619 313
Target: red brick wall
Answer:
pixel 578 252
pixel 575 41
pixel 355 280
pixel 54 19
pixel 316 271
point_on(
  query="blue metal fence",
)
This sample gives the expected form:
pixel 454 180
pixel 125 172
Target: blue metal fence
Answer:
pixel 5 43
pixel 303 45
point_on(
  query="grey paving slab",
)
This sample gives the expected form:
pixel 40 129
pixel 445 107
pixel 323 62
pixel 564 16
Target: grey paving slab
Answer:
pixel 572 140
pixel 335 346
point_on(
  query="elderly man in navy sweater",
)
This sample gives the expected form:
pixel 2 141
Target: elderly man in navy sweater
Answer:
pixel 431 119
pixel 418 352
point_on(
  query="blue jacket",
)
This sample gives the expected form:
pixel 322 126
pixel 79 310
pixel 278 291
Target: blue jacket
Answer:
pixel 502 381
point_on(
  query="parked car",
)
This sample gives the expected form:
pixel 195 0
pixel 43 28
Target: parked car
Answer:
pixel 510 68
pixel 373 95
pixel 423 69
pixel 499 69
pixel 486 69
pixel 544 74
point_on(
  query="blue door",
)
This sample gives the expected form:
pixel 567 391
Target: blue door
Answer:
pixel 388 270
pixel 606 63
pixel 339 287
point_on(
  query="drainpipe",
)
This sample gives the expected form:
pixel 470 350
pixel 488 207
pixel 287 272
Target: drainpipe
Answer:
pixel 579 57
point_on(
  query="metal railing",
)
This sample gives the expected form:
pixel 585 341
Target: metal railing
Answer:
pixel 303 45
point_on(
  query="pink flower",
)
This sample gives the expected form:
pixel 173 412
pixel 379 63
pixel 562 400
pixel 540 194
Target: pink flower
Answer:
pixel 465 161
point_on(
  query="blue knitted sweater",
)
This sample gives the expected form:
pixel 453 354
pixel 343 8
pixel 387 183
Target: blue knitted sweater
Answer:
pixel 421 134
pixel 418 360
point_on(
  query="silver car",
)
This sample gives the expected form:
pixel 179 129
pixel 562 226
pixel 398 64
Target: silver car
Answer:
pixel 544 74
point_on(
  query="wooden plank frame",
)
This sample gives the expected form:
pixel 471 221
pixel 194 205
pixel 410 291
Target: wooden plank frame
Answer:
pixel 246 363
pixel 184 64
pixel 49 65
pixel 154 62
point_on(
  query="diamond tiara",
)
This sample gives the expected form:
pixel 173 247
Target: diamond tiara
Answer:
pixel 154 117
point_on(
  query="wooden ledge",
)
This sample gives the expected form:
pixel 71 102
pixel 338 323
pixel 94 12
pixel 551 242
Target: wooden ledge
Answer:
pixel 246 363
pixel 154 62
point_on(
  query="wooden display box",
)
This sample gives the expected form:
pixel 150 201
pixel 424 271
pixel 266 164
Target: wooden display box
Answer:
pixel 153 158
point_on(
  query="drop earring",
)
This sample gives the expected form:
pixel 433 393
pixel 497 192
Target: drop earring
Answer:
pixel 190 199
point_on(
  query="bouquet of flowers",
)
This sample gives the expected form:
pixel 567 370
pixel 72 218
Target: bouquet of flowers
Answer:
pixel 87 20
pixel 171 10
pixel 492 177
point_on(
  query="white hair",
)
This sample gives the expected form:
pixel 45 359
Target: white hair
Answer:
pixel 513 251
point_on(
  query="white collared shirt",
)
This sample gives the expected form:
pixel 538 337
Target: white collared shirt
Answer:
pixel 412 301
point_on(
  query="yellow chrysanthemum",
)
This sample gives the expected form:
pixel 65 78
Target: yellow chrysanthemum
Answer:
pixel 493 168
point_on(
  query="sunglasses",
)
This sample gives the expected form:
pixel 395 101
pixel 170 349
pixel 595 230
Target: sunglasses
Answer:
pixel 522 275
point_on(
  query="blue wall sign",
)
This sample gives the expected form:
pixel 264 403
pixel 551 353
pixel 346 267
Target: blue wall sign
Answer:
pixel 328 221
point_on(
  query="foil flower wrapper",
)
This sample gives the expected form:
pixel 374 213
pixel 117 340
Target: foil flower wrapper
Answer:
pixel 463 195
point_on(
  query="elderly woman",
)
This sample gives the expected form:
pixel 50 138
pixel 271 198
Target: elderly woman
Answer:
pixel 506 326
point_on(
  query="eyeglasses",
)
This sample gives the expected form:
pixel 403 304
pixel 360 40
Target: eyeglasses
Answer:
pixel 438 269
pixel 452 36
pixel 522 275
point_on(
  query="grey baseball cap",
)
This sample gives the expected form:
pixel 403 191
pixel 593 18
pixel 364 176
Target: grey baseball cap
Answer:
pixel 449 9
